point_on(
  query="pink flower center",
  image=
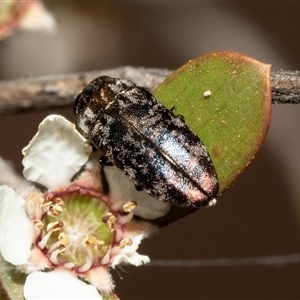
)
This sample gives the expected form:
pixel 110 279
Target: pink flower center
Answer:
pixel 79 228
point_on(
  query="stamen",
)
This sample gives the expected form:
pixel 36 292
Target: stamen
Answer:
pixel 46 204
pixel 125 218
pixel 64 239
pixel 41 201
pixel 125 242
pixel 54 247
pixel 38 224
pixel 49 196
pixel 55 226
pixel 106 257
pixel 53 257
pixel 109 220
pixel 51 227
pixel 129 206
pixel 58 201
pixel 39 210
pixel 89 258
pixel 42 243
pixel 118 235
pixel 91 240
pixel 98 245
pixel 86 266
pixel 54 210
pixel 46 201
pixel 69 265
pixel 54 205
pixel 116 205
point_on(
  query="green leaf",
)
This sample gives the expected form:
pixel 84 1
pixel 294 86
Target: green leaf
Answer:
pixel 225 98
pixel 11 281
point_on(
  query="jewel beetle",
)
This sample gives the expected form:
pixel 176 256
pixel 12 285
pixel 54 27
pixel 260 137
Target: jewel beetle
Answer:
pixel 152 146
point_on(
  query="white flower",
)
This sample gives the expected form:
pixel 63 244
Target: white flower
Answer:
pixel 61 284
pixel 16 231
pixel 65 224
pixel 26 15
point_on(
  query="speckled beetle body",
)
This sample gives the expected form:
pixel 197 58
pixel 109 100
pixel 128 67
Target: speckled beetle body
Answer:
pixel 158 152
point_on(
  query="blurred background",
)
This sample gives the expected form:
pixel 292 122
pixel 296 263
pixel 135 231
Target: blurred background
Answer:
pixel 260 214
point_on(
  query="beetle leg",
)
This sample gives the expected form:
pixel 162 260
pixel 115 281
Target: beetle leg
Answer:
pixel 105 161
pixel 138 188
pixel 180 117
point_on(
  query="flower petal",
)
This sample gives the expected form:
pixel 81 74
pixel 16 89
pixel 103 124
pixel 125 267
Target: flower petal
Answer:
pixel 121 188
pixel 55 153
pixel 16 229
pixel 129 255
pixel 134 259
pixel 36 17
pixel 58 284
pixel 101 279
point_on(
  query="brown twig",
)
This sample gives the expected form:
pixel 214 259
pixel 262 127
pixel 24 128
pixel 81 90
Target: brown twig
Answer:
pixel 285 87
pixel 56 91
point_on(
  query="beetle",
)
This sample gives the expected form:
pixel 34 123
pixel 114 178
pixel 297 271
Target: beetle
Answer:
pixel 152 146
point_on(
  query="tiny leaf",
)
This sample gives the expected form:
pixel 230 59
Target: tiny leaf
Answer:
pixel 225 98
pixel 11 281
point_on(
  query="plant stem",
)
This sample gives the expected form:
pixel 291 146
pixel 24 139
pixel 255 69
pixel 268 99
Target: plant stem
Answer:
pixel 56 91
pixel 32 94
pixel 285 87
